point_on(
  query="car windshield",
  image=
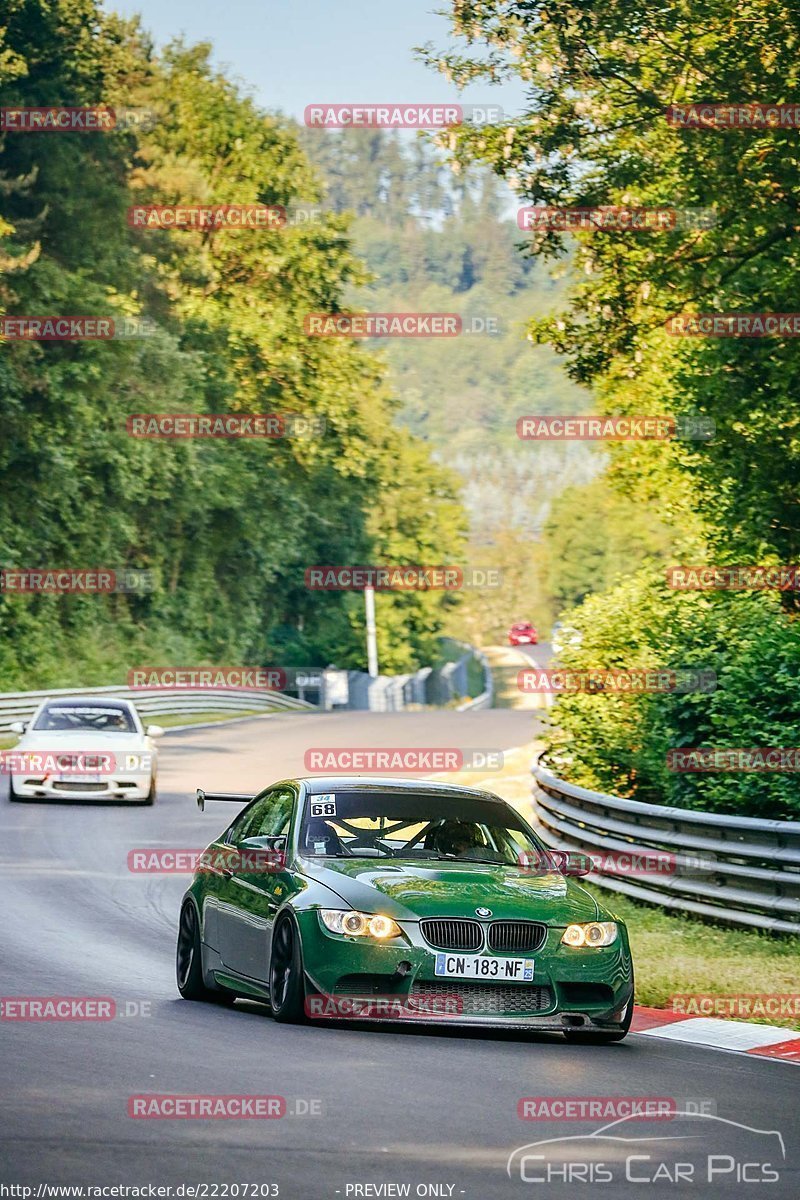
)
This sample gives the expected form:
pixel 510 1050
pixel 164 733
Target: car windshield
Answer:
pixel 417 826
pixel 98 718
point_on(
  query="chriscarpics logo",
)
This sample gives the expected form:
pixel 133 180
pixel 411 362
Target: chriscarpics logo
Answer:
pixel 697 1150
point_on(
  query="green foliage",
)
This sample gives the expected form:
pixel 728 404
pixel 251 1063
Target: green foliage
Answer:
pixel 619 742
pixel 600 79
pixel 227 528
pixel 595 534
pixel 437 241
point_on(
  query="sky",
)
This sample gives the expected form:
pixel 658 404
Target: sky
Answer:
pixel 298 52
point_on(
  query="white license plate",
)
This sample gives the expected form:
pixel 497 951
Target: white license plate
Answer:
pixel 481 966
pixel 81 778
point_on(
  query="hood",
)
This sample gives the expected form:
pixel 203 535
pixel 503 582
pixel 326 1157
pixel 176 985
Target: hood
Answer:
pixel 126 749
pixel 408 891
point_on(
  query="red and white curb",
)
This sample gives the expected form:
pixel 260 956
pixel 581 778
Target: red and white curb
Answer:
pixel 768 1041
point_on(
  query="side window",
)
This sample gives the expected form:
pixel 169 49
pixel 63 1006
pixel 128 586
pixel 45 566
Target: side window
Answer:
pixel 275 817
pixel 236 830
pixel 269 816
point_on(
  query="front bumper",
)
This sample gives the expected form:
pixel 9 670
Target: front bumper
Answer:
pixel 135 787
pixel 571 989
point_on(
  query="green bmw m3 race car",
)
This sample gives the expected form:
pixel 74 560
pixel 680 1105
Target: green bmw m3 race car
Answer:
pixel 400 900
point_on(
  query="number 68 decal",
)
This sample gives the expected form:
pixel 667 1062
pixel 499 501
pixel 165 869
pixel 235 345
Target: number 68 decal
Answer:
pixel 324 806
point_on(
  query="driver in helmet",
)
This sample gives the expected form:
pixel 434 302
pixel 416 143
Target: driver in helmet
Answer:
pixel 456 837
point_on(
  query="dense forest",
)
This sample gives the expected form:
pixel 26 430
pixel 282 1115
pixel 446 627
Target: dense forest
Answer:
pixel 435 239
pixel 225 528
pixel 419 460
pixel 601 83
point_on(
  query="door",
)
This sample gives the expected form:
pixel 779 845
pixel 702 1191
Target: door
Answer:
pixel 250 897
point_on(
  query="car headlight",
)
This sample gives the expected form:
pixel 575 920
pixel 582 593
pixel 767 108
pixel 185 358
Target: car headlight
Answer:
pixel 596 933
pixel 358 924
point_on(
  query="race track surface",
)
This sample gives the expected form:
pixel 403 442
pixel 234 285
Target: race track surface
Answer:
pixel 409 1106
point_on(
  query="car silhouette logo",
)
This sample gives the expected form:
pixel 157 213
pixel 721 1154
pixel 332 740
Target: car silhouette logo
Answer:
pixel 483 912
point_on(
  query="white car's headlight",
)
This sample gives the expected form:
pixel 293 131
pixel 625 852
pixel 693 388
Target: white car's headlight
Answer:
pixel 596 933
pixel 358 924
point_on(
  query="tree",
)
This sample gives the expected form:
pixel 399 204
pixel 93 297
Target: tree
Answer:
pixel 600 79
pixel 226 528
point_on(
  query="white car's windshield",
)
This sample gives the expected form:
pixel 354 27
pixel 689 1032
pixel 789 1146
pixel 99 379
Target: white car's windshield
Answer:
pixel 97 718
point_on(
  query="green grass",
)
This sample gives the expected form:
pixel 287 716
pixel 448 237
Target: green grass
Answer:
pixel 675 954
pixel 167 720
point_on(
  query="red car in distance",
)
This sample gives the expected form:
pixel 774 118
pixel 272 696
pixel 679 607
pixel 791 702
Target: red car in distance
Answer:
pixel 522 633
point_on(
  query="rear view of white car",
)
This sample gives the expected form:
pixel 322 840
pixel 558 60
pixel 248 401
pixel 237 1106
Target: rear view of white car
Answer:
pixel 83 748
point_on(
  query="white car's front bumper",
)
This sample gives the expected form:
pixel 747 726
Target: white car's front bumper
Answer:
pixel 135 786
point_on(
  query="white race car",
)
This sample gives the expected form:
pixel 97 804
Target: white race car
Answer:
pixel 83 748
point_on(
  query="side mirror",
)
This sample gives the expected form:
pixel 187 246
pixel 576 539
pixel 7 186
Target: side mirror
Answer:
pixel 18 726
pixel 261 854
pixel 578 864
pixel 571 862
pixel 154 731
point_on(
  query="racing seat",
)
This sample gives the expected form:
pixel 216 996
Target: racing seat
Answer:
pixel 318 832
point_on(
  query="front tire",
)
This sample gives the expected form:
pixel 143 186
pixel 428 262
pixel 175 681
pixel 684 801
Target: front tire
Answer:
pixel 150 798
pixel 13 797
pixel 287 992
pixel 189 958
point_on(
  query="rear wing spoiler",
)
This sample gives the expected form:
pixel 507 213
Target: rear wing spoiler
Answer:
pixel 230 797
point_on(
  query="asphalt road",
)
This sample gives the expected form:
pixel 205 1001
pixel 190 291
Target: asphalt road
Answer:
pixel 412 1106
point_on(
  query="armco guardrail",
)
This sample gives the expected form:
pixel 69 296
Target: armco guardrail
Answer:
pixel 431 686
pixel 751 868
pixel 18 706
pixel 484 700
